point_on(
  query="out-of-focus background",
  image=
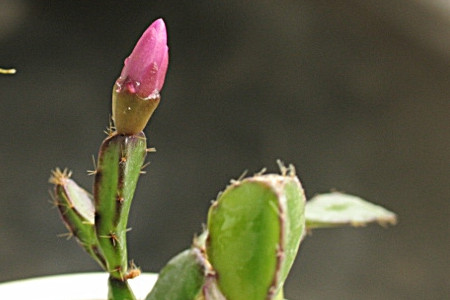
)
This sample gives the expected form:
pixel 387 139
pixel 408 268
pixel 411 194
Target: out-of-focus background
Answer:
pixel 354 93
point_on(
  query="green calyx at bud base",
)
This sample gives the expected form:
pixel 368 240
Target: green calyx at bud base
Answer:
pixel 130 112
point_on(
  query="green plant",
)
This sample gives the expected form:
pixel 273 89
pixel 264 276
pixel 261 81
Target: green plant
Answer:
pixel 254 228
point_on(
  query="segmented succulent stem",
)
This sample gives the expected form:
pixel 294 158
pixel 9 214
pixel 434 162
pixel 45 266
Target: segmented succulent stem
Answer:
pixel 255 228
pixel 119 165
pixel 77 212
pixel 119 289
pixel 182 278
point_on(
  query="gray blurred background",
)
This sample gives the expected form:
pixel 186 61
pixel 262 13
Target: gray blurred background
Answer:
pixel 354 93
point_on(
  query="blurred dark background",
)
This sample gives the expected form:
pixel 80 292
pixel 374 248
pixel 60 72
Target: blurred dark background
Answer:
pixel 354 93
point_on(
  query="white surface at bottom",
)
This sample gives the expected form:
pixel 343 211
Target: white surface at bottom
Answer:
pixel 82 286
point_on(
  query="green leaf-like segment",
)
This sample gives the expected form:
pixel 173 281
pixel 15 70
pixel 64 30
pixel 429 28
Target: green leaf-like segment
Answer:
pixel 119 164
pixel 338 209
pixel 77 212
pixel 255 228
pixel 119 290
pixel 182 278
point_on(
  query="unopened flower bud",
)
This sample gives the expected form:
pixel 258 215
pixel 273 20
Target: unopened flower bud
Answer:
pixel 136 92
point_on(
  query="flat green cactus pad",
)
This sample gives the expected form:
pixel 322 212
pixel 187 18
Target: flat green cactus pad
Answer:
pixel 182 278
pixel 255 228
pixel 119 165
pixel 338 209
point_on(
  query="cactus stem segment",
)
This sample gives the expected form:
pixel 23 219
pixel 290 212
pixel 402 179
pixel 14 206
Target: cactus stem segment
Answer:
pixel 254 231
pixel 119 165
pixel 119 289
pixel 77 211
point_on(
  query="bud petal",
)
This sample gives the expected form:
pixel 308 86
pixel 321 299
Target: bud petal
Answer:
pixel 145 69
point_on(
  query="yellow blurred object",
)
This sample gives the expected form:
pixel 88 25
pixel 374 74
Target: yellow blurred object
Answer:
pixel 7 71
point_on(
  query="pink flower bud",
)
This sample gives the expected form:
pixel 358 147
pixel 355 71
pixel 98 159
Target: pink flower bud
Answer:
pixel 145 69
pixel 136 92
